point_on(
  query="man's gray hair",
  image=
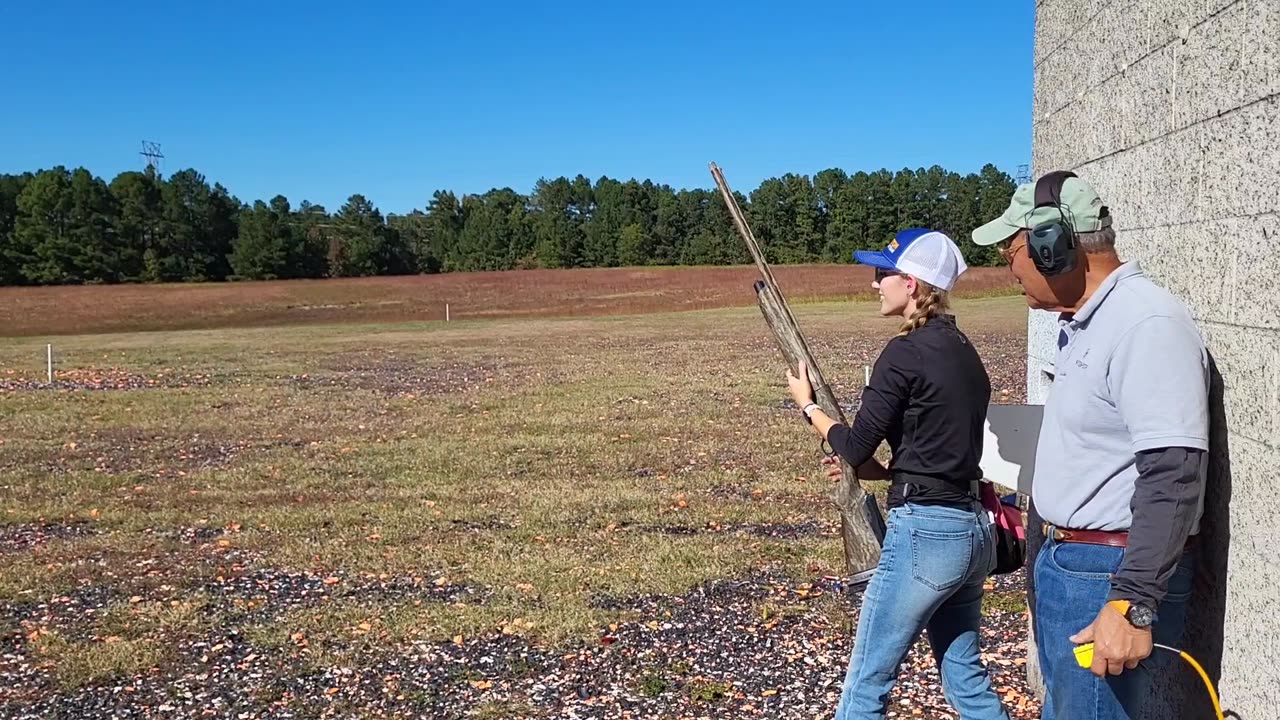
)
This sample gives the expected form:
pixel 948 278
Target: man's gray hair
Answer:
pixel 1099 241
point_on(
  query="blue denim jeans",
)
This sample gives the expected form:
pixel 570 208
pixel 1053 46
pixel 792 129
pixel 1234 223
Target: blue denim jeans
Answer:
pixel 1072 583
pixel 932 567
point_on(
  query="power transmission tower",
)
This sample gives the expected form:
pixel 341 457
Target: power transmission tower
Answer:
pixel 151 151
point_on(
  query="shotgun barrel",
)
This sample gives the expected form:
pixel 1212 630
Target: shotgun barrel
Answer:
pixel 861 522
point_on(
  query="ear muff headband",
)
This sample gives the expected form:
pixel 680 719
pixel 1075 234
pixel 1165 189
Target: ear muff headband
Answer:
pixel 1052 244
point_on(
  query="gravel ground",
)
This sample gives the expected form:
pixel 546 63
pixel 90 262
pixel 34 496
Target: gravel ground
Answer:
pixel 109 378
pixel 713 652
pixel 120 452
pixel 29 535
pixel 412 377
pixel 758 646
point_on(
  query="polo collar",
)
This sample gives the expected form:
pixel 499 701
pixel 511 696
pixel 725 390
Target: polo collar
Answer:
pixel 1132 268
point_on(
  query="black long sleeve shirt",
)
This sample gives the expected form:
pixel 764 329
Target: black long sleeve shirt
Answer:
pixel 928 398
pixel 1166 498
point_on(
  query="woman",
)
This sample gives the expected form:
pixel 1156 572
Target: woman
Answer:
pixel 928 397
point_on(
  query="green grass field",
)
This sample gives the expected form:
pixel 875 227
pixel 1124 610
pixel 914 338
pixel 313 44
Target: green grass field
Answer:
pixel 542 465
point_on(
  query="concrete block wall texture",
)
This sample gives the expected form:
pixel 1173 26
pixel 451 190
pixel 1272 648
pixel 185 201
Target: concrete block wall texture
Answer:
pixel 1171 109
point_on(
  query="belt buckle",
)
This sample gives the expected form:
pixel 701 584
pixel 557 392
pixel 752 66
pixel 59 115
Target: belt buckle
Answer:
pixel 1055 533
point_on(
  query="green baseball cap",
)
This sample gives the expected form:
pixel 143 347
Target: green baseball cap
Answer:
pixel 1080 205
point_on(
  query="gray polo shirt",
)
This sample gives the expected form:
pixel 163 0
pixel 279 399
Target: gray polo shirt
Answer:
pixel 1132 374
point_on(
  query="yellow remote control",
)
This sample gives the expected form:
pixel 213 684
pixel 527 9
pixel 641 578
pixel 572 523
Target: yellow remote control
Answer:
pixel 1084 658
pixel 1084 655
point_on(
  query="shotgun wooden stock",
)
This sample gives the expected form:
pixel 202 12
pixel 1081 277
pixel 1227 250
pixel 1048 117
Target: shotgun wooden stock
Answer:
pixel 861 522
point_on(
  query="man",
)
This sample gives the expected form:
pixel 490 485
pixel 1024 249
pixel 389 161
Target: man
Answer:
pixel 1120 467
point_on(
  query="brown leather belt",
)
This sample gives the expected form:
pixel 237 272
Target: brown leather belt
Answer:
pixel 1090 537
pixel 1093 537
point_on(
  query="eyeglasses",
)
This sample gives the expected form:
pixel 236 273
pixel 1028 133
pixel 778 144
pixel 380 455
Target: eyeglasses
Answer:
pixel 1008 250
pixel 881 274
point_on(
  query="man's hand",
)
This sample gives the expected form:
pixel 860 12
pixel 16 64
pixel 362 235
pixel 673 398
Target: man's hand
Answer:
pixel 1117 645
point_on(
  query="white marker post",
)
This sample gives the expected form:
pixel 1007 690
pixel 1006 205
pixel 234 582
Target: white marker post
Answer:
pixel 446 312
pixel 866 375
pixel 49 361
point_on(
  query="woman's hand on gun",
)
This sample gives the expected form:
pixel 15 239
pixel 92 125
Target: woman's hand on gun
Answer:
pixel 799 385
pixel 835 471
pixel 870 470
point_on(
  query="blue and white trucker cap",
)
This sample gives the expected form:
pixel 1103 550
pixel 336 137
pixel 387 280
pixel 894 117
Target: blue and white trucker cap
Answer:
pixel 926 254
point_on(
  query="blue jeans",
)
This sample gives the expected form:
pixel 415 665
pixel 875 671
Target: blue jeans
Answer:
pixel 932 567
pixel 1072 583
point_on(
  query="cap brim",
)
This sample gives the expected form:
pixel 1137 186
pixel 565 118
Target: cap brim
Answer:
pixel 994 231
pixel 874 259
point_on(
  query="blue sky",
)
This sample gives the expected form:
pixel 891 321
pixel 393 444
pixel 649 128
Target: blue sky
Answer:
pixel 396 100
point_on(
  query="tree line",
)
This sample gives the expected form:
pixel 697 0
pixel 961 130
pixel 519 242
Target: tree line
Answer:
pixel 61 226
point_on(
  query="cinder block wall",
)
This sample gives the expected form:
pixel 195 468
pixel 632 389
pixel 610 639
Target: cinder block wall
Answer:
pixel 1171 108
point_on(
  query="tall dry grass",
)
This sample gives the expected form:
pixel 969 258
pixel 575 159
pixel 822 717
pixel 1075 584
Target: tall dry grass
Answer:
pixel 534 293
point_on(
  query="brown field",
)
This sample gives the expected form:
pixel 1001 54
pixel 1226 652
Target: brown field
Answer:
pixel 596 517
pixel 522 293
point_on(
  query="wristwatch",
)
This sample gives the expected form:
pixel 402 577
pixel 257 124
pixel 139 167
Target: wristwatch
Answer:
pixel 807 410
pixel 1138 615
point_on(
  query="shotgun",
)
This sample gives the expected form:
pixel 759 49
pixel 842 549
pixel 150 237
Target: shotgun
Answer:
pixel 861 522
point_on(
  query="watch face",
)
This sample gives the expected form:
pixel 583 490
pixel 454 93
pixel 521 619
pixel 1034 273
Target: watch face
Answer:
pixel 1141 616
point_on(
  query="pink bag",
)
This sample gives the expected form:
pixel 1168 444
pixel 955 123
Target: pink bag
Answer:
pixel 1009 530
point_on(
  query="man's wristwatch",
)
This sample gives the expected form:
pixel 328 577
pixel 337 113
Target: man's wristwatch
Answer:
pixel 808 411
pixel 1138 615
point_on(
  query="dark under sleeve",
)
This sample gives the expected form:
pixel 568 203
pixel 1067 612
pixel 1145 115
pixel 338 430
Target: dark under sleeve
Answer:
pixel 883 401
pixel 1166 496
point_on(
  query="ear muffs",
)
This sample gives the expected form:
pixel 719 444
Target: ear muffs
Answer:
pixel 1052 244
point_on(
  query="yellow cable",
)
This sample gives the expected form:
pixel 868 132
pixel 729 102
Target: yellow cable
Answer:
pixel 1084 658
pixel 1213 694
